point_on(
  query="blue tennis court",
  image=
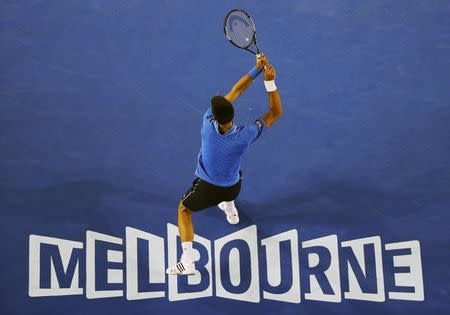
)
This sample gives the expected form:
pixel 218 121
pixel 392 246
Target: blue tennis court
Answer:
pixel 344 207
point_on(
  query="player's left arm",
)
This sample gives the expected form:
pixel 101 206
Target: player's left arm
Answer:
pixel 242 85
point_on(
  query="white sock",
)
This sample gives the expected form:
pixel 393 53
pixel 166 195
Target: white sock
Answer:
pixel 188 255
pixel 229 205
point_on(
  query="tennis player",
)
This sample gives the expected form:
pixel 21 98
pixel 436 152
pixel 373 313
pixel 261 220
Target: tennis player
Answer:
pixel 218 173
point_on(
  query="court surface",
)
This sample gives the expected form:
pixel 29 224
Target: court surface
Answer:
pixel 100 111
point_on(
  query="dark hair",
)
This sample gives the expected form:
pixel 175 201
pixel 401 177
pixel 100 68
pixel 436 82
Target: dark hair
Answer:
pixel 222 109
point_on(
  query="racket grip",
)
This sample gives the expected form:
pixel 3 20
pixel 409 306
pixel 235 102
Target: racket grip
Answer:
pixel 257 57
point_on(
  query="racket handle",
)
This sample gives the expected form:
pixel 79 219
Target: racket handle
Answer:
pixel 258 55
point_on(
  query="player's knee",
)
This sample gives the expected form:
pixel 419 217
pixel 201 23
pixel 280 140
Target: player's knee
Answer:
pixel 182 208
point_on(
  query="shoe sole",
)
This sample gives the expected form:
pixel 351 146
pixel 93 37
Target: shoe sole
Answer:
pixel 180 274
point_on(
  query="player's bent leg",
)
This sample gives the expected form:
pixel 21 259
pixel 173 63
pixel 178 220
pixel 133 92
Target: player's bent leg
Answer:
pixel 230 210
pixel 186 265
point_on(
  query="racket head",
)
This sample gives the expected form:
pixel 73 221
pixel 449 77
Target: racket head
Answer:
pixel 240 29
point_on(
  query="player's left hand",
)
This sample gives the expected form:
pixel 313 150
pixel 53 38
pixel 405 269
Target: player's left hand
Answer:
pixel 269 73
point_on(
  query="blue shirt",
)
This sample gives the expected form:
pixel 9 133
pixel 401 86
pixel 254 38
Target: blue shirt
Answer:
pixel 219 160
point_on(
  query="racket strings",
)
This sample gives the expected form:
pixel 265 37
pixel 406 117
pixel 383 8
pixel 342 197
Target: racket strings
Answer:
pixel 240 29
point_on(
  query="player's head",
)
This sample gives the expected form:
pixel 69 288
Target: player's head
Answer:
pixel 222 109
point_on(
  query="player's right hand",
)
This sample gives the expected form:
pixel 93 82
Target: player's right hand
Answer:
pixel 269 73
pixel 261 61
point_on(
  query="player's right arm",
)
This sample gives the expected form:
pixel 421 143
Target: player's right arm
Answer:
pixel 275 107
pixel 242 85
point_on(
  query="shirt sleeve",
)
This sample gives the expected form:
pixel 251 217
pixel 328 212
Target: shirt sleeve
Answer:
pixel 208 116
pixel 253 131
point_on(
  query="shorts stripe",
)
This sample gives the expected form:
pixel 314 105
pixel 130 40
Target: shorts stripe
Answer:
pixel 189 193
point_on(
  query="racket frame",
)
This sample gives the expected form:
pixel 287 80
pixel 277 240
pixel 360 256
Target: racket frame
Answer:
pixel 253 41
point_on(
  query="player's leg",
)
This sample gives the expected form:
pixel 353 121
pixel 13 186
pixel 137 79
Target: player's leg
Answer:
pixel 185 226
pixel 186 265
pixel 227 205
pixel 195 199
pixel 186 230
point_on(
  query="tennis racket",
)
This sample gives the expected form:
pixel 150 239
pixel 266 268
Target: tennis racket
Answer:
pixel 241 31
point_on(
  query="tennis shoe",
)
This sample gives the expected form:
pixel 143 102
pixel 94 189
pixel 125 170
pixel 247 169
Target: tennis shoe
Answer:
pixel 181 269
pixel 230 210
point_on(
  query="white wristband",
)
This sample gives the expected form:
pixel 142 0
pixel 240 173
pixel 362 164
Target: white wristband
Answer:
pixel 270 86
